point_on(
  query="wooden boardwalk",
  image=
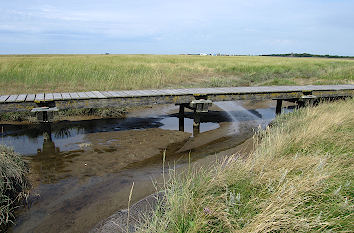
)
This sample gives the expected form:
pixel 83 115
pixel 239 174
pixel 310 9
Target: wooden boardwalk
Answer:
pixel 96 99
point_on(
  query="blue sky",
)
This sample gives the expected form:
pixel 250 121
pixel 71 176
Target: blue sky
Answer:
pixel 173 27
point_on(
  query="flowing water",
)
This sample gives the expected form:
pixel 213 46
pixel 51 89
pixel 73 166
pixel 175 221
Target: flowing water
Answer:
pixel 82 172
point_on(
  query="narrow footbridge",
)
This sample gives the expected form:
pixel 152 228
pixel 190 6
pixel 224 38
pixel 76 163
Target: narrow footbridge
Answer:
pixel 100 99
pixel 197 99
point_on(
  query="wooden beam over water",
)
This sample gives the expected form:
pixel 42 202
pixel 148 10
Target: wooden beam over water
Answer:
pixel 97 99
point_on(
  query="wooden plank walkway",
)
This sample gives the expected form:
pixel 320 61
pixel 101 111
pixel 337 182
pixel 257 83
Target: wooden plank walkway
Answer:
pixel 23 102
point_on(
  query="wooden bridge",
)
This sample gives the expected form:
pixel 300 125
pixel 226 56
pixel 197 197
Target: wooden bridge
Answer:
pixel 197 99
pixel 99 99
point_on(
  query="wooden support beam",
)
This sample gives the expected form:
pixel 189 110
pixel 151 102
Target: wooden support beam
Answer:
pixel 278 107
pixel 181 117
pixel 196 123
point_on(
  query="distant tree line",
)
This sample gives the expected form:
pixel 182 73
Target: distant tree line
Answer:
pixel 305 55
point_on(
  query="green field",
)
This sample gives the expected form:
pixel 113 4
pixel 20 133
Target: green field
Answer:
pixel 62 73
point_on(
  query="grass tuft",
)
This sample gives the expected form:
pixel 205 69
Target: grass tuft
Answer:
pixel 13 184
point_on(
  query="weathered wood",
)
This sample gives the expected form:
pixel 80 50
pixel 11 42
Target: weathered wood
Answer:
pixel 117 93
pixel 74 96
pixel 278 107
pixel 82 95
pixel 180 91
pixel 106 94
pixel 21 98
pixel 91 95
pixel 30 97
pixel 181 118
pixel 3 98
pixel 48 97
pixel 167 92
pixel 99 94
pixel 57 96
pixel 158 92
pixel 131 93
pixel 143 93
pixel 66 96
pixel 39 97
pixel 11 99
pixel 174 96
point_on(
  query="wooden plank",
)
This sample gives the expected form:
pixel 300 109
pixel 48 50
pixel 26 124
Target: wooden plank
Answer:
pixel 66 96
pixel 12 98
pixel 21 98
pixel 235 90
pixel 48 97
pixel 82 95
pixel 3 98
pixel 143 93
pixel 30 97
pixel 178 92
pixel 106 94
pixel 166 92
pixel 197 91
pixel 57 96
pixel 74 95
pixel 117 93
pixel 156 92
pixel 185 91
pixel 91 95
pixel 39 97
pixel 129 93
pixel 211 91
pixel 99 94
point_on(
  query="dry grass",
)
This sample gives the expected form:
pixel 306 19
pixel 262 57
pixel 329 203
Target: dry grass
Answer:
pixel 62 73
pixel 13 184
pixel 299 179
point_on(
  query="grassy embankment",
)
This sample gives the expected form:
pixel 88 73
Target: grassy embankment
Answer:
pixel 298 179
pixel 65 73
pixel 13 184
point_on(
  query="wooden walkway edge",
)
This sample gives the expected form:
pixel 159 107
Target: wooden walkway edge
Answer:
pixel 96 99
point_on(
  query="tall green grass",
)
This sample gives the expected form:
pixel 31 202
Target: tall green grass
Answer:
pixel 300 178
pixel 61 73
pixel 13 184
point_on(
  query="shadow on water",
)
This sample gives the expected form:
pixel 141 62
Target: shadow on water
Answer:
pixel 82 171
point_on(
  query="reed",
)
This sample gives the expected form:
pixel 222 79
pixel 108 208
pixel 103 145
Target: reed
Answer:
pixel 13 184
pixel 67 73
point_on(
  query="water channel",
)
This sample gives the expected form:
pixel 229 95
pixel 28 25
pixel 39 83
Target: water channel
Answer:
pixel 83 172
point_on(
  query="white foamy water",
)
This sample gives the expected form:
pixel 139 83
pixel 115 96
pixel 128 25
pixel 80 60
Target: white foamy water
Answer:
pixel 237 114
pixel 228 107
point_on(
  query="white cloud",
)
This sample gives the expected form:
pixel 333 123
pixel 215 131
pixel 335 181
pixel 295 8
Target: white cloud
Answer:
pixel 223 24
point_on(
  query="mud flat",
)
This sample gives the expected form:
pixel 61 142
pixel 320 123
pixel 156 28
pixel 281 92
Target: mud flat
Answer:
pixel 128 220
pixel 85 176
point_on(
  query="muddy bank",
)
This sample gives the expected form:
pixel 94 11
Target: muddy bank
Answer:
pixel 128 220
pixel 103 156
pixel 85 174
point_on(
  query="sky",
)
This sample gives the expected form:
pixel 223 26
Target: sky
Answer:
pixel 248 27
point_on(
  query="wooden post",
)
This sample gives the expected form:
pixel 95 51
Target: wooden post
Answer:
pixel 181 117
pixel 278 107
pixel 47 131
pixel 196 123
